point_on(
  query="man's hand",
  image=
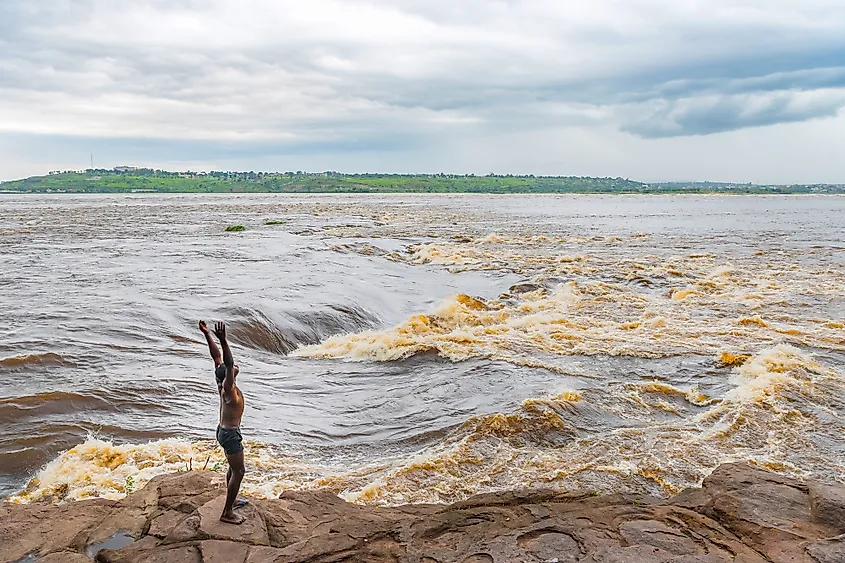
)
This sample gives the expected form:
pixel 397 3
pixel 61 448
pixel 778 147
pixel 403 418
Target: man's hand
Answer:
pixel 212 347
pixel 220 331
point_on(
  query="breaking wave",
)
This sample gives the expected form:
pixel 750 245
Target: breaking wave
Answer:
pixel 587 318
pixel 35 360
pixel 779 413
pixel 738 337
pixel 256 329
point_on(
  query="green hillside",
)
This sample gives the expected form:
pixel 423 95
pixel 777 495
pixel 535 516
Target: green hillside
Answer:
pixel 160 181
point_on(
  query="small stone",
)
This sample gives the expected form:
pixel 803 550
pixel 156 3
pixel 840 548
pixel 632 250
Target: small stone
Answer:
pixel 524 288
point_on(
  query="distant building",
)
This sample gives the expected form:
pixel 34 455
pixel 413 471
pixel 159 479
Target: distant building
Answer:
pixel 125 168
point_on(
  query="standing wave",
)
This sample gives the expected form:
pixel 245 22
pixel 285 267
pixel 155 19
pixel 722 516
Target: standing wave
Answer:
pixel 34 360
pixel 783 412
pixel 292 330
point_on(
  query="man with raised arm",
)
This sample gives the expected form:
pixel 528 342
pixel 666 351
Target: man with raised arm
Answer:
pixel 231 412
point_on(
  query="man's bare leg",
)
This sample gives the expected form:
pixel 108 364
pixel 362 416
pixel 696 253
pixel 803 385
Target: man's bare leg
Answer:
pixel 233 484
pixel 240 502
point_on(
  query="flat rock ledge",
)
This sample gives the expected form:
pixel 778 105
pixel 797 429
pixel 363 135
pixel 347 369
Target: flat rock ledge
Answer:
pixel 741 514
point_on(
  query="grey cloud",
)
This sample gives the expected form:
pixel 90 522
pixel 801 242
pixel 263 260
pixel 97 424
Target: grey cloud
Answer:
pixel 703 116
pixel 811 79
pixel 309 85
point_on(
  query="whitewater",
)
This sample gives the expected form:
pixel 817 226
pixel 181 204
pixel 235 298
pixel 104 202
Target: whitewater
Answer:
pixel 422 348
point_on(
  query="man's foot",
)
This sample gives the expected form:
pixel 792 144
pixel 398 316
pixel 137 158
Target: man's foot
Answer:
pixel 232 518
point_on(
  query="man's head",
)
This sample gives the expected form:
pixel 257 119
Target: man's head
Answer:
pixel 220 373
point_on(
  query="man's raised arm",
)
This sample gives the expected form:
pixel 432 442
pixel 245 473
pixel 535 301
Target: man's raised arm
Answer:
pixel 212 347
pixel 228 360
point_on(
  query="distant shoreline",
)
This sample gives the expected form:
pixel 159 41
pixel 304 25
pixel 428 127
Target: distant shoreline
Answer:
pixel 409 193
pixel 148 181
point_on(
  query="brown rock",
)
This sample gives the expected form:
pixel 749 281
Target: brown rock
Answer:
pixel 145 498
pixel 263 554
pixel 828 551
pixel 828 505
pixel 129 520
pixel 142 547
pixel 740 515
pixel 479 558
pixel 116 541
pixel 525 287
pixel 181 554
pixel 216 551
pixel 43 528
pixel 658 534
pixel 164 523
pixel 296 516
pixel 64 557
pixel 188 491
pixel 317 548
pixel 187 530
pixel 253 531
pixel 643 554
pixel 550 544
pixel 772 514
pixel 712 538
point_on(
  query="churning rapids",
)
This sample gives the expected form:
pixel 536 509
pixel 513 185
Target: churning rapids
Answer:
pixel 421 348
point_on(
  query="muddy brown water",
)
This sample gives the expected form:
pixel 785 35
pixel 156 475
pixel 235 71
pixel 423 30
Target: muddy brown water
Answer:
pixel 384 354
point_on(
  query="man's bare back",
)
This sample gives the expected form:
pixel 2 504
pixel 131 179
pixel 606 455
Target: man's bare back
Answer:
pixel 231 407
pixel 231 413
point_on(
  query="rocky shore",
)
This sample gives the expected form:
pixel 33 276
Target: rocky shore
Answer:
pixel 740 514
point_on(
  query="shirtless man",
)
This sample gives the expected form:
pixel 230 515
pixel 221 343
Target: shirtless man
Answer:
pixel 231 412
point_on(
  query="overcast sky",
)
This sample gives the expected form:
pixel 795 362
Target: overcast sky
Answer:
pixel 727 90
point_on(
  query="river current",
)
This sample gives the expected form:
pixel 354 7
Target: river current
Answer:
pixel 421 348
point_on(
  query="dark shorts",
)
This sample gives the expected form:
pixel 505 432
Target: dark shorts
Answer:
pixel 230 439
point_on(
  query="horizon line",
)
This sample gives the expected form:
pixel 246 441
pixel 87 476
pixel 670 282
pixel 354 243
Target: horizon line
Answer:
pixel 130 169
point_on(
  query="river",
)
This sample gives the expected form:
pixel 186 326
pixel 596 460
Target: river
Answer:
pixel 421 348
